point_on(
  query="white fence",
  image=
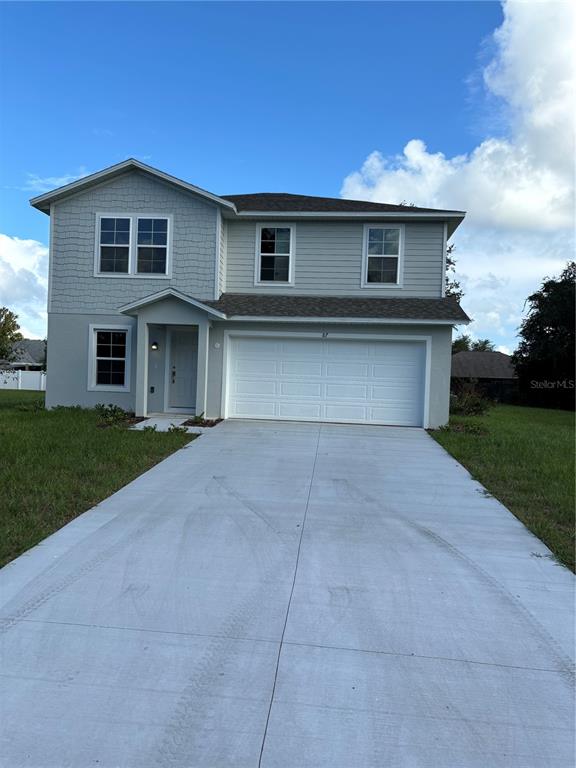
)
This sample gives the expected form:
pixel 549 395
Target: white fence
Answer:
pixel 23 380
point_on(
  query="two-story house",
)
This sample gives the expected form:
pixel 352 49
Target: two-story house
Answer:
pixel 164 298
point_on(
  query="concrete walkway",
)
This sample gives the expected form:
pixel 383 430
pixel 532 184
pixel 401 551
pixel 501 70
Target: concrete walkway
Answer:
pixel 290 596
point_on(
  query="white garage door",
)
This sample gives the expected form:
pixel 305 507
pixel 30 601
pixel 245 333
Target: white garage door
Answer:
pixel 378 382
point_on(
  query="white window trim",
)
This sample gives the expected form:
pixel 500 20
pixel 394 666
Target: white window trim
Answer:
pixel 291 256
pixel 92 386
pixel 133 247
pixel 400 275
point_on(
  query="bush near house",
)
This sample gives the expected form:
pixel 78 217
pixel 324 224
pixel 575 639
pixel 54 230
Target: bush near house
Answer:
pixel 57 464
pixel 525 458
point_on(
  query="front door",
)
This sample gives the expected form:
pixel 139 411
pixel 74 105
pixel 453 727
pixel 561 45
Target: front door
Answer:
pixel 182 370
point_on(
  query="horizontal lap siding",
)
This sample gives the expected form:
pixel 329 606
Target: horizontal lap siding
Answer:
pixel 73 221
pixel 328 259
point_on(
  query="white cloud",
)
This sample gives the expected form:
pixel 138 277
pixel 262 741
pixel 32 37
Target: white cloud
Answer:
pixel 518 191
pixel 24 282
pixel 40 184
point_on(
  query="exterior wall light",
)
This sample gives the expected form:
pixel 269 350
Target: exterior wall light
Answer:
pixel 154 345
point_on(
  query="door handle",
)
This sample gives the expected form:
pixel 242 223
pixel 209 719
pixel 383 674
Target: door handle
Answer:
pixel 173 374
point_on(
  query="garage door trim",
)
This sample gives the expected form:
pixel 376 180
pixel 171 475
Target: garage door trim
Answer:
pixel 228 334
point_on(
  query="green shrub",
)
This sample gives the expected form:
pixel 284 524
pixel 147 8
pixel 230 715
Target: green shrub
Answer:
pixel 177 430
pixel 468 401
pixel 110 415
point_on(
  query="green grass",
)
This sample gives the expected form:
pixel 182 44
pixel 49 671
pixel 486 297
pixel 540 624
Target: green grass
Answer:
pixel 525 458
pixel 56 464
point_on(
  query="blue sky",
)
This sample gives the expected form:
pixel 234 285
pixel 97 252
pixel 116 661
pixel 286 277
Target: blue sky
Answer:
pixel 241 97
pixel 235 97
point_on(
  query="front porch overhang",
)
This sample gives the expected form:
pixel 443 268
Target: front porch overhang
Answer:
pixel 170 308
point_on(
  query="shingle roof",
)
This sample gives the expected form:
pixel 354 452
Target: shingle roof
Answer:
pixel 482 365
pixel 283 201
pixel 256 305
pixel 30 352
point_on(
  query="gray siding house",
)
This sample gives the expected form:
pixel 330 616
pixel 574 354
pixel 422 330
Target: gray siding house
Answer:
pixel 166 298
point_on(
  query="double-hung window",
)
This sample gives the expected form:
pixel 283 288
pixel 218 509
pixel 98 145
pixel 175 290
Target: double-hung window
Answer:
pixel 382 255
pixel 114 244
pixel 275 248
pixel 133 245
pixel 152 246
pixel 109 361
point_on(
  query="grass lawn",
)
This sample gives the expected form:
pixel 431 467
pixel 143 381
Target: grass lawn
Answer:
pixel 56 464
pixel 525 458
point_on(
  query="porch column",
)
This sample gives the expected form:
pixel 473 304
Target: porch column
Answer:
pixel 202 369
pixel 142 368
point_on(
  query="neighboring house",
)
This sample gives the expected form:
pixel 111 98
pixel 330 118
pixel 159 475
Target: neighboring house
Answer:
pixel 491 372
pixel 166 298
pixel 28 355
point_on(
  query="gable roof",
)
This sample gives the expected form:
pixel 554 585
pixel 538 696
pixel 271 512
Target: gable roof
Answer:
pixel 262 204
pixel 284 201
pixel 482 365
pixel 31 352
pixel 439 310
pixel 42 202
pixel 166 294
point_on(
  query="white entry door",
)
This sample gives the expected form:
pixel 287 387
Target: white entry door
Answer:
pixel 377 382
pixel 182 365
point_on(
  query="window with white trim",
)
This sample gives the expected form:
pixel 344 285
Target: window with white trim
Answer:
pixel 111 351
pixel 114 245
pixel 133 245
pixel 274 254
pixel 152 246
pixel 382 260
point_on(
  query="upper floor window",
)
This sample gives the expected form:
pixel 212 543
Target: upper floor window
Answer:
pixel 275 251
pixel 114 245
pixel 120 252
pixel 152 245
pixel 382 255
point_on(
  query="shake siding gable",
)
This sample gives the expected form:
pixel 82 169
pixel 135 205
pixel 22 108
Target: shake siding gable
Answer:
pixel 74 287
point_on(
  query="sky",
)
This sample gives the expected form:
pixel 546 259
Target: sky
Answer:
pixel 465 105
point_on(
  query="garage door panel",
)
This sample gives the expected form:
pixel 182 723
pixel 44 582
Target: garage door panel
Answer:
pixel 252 387
pixel 300 411
pixel 327 380
pixel 300 389
pixel 254 409
pixel 346 412
pixel 301 368
pixel 306 348
pixel 254 366
pixel 346 391
pixel 350 369
pixel 344 349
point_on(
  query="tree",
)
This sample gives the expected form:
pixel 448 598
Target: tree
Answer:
pixel 453 287
pixel 482 345
pixel 465 343
pixel 9 333
pixel 545 357
pixel 461 344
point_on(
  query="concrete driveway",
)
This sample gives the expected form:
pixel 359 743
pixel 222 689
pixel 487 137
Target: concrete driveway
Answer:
pixel 290 596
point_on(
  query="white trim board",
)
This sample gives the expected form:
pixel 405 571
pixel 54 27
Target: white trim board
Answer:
pixel 341 320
